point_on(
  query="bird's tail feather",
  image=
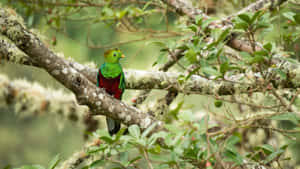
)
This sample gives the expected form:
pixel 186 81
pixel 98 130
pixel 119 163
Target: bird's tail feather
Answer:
pixel 113 126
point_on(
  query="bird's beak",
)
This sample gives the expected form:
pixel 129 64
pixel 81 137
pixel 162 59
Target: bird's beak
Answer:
pixel 122 56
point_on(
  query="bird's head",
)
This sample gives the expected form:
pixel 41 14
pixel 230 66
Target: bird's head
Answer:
pixel 113 55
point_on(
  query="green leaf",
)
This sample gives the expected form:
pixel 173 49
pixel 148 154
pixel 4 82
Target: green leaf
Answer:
pixel 155 136
pixel 261 25
pixel 284 147
pixel 57 22
pixel 223 36
pixel 155 150
pixel 119 134
pixel 92 150
pixel 198 20
pixel 196 40
pixel 191 55
pixel 224 67
pixel 267 148
pixel 246 56
pixel 183 47
pixel 268 47
pixel 181 79
pixel 206 22
pixel 135 131
pixel 192 72
pixel 193 28
pixel 261 52
pixel 256 59
pixel 233 157
pixel 124 157
pixel 241 25
pixel 273 156
pixel 149 129
pixel 210 71
pixel 232 140
pixel 107 139
pixel 98 163
pixel 162 58
pixel 134 160
pixel 218 103
pixel 186 116
pixel 245 17
pixel 256 15
pixel 289 15
pixel 297 18
pixel 281 73
pixel 54 162
pixel 174 112
pixel 287 116
pixel 121 14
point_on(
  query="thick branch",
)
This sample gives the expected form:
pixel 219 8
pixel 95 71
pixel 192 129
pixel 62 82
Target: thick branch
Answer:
pixel 185 8
pixel 144 80
pixel 86 92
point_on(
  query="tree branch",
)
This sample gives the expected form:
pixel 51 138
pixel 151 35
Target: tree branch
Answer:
pixel 33 99
pixel 184 8
pixel 86 92
pixel 258 5
pixel 145 80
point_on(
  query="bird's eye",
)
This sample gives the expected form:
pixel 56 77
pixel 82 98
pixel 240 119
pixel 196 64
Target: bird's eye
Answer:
pixel 115 55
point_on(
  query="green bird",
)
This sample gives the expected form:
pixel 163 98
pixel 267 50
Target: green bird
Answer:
pixel 111 77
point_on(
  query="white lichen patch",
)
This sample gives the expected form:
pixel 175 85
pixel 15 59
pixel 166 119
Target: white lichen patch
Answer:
pixel 98 103
pixel 127 118
pixel 145 122
pixel 55 72
pixel 111 108
pixel 47 61
pixel 73 71
pixel 122 115
pixel 65 71
pixel 85 90
pixel 100 96
pixel 78 66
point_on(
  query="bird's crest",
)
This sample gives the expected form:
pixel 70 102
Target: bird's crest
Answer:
pixel 106 53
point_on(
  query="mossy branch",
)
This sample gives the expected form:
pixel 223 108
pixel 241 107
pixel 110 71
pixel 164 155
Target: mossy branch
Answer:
pixel 85 91
pixel 33 99
pixel 146 80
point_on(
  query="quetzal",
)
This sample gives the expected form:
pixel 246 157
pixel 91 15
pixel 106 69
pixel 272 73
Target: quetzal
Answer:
pixel 111 77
